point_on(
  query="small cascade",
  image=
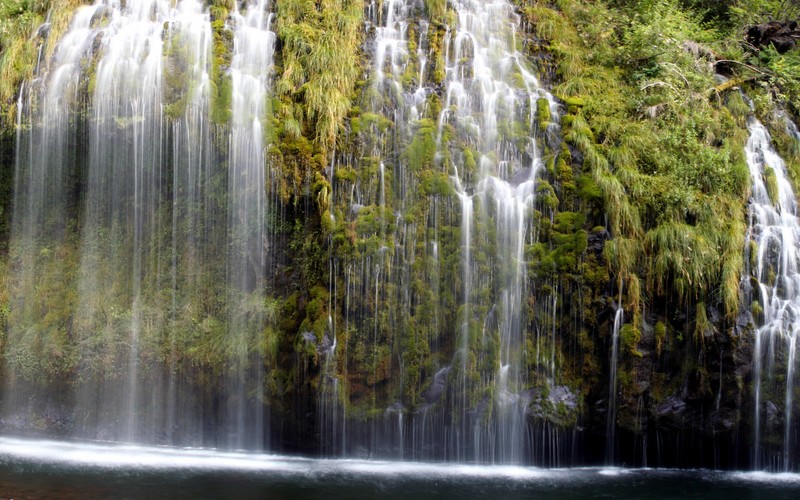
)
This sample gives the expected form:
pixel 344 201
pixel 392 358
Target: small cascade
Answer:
pixel 47 159
pixel 48 154
pixel 791 129
pixel 490 92
pixel 611 422
pixel 380 274
pixel 187 48
pixel 774 285
pixel 43 171
pixel 331 412
pixel 251 69
pixel 126 137
pixel 454 337
pixel 162 264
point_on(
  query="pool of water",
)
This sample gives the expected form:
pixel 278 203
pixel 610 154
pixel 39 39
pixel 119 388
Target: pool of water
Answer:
pixel 53 469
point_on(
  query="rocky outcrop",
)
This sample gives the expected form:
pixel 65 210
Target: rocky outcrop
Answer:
pixel 783 35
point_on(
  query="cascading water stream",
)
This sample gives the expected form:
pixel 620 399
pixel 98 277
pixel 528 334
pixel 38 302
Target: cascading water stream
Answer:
pixel 774 236
pixel 46 159
pixel 42 170
pixel 489 90
pixel 489 93
pixel 126 155
pixel 120 132
pixel 251 68
pixel 187 48
pixel 381 273
pixel 611 417
pixel 485 141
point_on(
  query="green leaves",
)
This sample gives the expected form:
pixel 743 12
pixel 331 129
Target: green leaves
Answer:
pixel 784 75
pixel 665 162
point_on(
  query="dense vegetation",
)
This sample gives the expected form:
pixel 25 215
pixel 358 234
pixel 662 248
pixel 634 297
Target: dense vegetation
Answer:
pixel 643 205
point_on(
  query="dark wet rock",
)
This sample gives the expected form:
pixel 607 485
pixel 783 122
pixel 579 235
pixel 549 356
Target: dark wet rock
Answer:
pixel 42 31
pixel 783 35
pixel 576 155
pixel 437 387
pixel 326 345
pixel 100 16
pixel 54 421
pixel 559 405
pixel 742 356
pixel 744 321
pixel 772 418
pixel 394 408
pixel 673 406
pixel 597 240
pixel 520 176
pixel 724 420
pixel 562 395
pixel 97 43
pixel 600 406
pixel 715 315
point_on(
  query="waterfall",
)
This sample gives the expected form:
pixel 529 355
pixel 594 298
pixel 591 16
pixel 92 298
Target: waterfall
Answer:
pixel 611 418
pixel 772 253
pixel 251 68
pixel 458 388
pixel 380 273
pixel 48 152
pixel 488 91
pixel 119 148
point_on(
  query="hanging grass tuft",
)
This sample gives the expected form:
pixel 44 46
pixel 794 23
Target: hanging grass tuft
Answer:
pixel 321 62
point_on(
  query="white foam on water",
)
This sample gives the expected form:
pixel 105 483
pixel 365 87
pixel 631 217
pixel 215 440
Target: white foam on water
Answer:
pixel 152 458
pixel 133 457
pixel 433 470
pixel 141 457
pixel 787 478
pixel 612 471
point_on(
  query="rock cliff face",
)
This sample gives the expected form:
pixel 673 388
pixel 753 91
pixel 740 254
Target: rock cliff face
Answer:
pixel 781 35
pixel 529 232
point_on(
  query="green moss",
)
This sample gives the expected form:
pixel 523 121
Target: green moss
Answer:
pixel 702 326
pixel 546 194
pixel 19 48
pixel 588 190
pixel 436 10
pixel 772 185
pixel 177 87
pixel 737 106
pixel 221 85
pixel 543 116
pixel 629 337
pixel 435 184
pixel 574 104
pixel 421 152
pixel 346 174
pixel 367 121
pixel 660 332
pixel 756 310
pixel 470 166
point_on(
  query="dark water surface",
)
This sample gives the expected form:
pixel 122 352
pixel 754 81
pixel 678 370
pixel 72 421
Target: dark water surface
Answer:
pixel 50 469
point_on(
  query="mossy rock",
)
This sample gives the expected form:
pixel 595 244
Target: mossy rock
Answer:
pixel 574 104
pixel 543 116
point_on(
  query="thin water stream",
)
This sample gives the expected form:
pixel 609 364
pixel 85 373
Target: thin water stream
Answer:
pixel 774 233
pixel 489 91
